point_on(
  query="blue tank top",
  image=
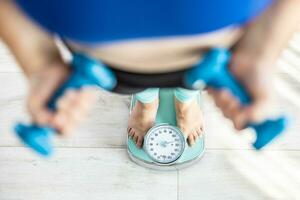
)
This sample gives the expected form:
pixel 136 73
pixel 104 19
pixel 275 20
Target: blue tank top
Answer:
pixel 108 20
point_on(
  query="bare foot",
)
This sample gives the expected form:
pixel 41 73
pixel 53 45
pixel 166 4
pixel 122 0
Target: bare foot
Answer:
pixel 141 120
pixel 189 119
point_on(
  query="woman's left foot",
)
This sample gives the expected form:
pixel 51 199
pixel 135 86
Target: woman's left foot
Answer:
pixel 189 119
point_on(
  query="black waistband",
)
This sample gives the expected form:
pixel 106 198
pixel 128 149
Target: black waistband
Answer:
pixel 129 82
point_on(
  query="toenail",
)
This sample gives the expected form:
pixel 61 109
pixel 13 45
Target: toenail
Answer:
pixel 132 131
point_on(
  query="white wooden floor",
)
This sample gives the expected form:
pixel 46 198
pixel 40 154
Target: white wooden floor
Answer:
pixel 93 164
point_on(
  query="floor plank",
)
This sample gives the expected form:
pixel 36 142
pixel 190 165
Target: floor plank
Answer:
pixel 87 173
pixel 13 87
pixel 242 174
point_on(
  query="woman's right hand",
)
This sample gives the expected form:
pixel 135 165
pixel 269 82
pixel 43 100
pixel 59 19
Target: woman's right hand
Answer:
pixel 39 58
pixel 70 108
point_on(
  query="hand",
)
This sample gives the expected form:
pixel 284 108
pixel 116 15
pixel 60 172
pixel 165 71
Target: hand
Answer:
pixel 256 78
pixel 253 61
pixel 70 108
pixel 40 59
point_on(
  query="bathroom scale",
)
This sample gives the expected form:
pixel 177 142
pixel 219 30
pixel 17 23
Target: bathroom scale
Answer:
pixel 165 147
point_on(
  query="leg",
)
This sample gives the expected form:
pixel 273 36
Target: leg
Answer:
pixel 148 95
pixel 143 114
pixel 188 113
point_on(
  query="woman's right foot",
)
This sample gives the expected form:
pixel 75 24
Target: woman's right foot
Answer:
pixel 141 120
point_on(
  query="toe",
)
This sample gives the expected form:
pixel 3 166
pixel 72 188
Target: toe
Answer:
pixel 196 136
pixel 135 138
pixel 201 128
pixel 191 139
pixel 199 132
pixel 131 132
pixel 139 142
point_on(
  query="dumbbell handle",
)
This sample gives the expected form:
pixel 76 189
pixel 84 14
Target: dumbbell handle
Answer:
pixel 75 81
pixel 227 81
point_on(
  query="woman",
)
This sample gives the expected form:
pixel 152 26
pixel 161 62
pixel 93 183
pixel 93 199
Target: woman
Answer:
pixel 148 37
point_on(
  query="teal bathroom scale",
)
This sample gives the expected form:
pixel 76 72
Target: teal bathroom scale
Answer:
pixel 165 147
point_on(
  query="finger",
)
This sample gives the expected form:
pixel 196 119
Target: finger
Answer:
pixel 86 100
pixel 227 103
pixel 65 102
pixel 65 122
pixel 40 116
pixel 233 104
pixel 41 90
pixel 81 100
pixel 232 109
pixel 75 104
pixel 240 120
pixel 65 114
pixel 212 92
pixel 66 118
pixel 253 113
pixel 38 111
pixel 222 98
pixel 67 129
pixel 59 121
pixel 257 112
pixel 89 93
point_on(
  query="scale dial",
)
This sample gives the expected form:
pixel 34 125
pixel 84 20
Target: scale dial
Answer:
pixel 164 143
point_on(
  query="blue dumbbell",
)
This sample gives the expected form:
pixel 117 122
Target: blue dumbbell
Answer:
pixel 213 72
pixel 85 72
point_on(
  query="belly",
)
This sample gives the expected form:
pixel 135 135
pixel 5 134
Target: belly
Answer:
pixel 159 55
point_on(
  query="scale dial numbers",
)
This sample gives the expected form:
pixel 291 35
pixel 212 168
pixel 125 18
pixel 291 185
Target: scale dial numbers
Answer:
pixel 164 144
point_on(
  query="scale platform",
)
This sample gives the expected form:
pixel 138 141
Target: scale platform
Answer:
pixel 166 115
